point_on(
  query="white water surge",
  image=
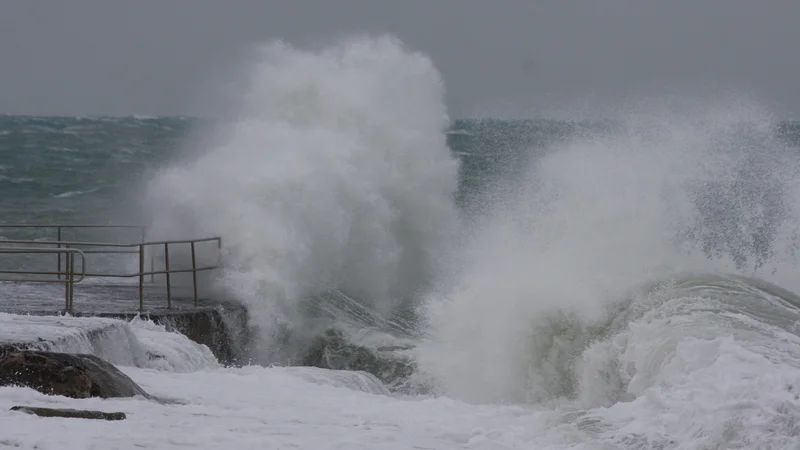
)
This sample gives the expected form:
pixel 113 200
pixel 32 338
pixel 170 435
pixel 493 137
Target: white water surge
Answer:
pixel 332 174
pixel 589 289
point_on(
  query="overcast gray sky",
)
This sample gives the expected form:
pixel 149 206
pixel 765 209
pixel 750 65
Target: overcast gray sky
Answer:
pixel 498 57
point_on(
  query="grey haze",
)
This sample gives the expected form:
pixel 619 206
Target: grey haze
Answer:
pixel 500 57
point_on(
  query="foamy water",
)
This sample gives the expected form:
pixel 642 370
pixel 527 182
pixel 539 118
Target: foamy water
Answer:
pixel 667 379
pixel 260 408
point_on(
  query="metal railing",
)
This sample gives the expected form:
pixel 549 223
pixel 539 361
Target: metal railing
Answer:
pixel 69 247
pixel 69 275
pixel 60 227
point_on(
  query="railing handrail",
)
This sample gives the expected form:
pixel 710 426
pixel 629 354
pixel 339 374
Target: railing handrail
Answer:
pixel 69 247
pixel 111 244
pixel 69 276
pixel 62 225
pixel 59 227
pixel 46 250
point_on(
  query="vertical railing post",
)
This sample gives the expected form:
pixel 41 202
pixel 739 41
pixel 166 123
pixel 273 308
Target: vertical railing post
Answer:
pixel 58 254
pixel 166 269
pixel 152 257
pixel 141 277
pixel 194 275
pixel 66 284
pixel 71 256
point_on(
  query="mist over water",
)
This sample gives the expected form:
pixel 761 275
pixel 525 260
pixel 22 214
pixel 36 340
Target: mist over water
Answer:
pixel 591 223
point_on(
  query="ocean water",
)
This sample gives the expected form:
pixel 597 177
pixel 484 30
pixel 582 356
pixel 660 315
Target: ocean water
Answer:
pixel 626 283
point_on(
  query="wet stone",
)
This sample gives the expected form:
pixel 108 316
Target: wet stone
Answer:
pixel 69 413
pixel 70 375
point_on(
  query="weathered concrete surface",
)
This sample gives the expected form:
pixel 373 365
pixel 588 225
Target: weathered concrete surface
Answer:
pixel 70 375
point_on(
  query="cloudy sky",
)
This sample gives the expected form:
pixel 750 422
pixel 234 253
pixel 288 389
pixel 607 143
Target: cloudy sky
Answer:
pixel 498 57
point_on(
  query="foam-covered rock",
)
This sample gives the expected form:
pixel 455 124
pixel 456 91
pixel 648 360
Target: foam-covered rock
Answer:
pixel 333 350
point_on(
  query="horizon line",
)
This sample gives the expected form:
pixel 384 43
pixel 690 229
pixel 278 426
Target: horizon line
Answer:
pixel 191 117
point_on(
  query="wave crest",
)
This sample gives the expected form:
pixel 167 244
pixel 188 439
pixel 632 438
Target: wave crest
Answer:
pixel 333 174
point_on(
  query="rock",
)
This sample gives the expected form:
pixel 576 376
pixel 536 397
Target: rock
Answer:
pixel 73 413
pixel 332 350
pixel 70 375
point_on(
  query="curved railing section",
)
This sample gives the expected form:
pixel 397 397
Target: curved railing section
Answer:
pixel 69 275
pixel 60 229
pixel 68 250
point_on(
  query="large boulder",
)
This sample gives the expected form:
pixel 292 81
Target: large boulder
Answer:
pixel 70 375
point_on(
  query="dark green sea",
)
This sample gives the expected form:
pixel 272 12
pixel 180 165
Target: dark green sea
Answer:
pixel 88 169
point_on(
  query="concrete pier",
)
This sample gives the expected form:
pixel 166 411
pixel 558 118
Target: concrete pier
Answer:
pixel 219 324
pixel 46 277
pixel 32 332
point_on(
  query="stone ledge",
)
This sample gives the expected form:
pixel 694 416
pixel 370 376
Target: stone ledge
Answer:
pixel 69 413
